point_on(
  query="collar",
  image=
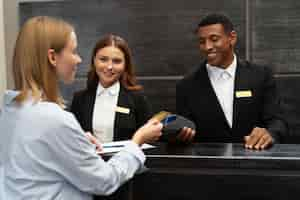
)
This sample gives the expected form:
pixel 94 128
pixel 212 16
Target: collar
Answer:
pixel 9 96
pixel 216 72
pixel 113 90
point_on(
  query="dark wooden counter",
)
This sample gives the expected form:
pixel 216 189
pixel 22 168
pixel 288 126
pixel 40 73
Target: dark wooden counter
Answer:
pixel 219 171
pixel 216 171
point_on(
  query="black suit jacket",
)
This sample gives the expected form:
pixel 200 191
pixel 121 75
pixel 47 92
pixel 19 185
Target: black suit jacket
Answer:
pixel 125 124
pixel 196 100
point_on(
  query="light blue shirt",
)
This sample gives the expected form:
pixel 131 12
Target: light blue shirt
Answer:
pixel 45 155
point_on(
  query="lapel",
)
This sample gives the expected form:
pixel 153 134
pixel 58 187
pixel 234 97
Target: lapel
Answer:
pixel 211 105
pixel 242 83
pixel 90 102
pixel 122 102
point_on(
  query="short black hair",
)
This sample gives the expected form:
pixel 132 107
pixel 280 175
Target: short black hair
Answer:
pixel 217 18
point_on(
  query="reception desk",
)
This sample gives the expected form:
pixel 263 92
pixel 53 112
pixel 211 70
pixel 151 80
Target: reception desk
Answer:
pixel 218 171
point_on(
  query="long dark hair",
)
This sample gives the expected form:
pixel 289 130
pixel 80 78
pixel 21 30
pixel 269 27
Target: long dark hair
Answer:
pixel 128 78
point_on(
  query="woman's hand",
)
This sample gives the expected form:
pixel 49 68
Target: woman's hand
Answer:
pixel 94 140
pixel 149 132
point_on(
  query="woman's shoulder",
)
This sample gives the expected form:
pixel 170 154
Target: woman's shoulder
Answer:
pixel 52 113
pixel 135 93
pixel 53 125
pixel 82 93
pixel 138 96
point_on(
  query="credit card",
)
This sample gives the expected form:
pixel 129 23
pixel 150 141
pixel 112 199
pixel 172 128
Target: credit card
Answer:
pixel 161 115
pixel 169 119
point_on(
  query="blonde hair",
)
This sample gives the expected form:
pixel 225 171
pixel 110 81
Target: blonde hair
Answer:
pixel 32 70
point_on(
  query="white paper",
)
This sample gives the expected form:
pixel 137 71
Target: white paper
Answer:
pixel 113 147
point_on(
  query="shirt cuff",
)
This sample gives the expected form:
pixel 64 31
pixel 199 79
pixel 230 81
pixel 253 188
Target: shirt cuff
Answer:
pixel 134 149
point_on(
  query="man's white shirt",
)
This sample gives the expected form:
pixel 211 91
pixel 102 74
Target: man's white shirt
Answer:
pixel 222 81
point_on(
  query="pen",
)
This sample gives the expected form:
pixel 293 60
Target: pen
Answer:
pixel 112 146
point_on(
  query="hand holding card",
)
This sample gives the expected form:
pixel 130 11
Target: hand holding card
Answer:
pixel 161 115
pixel 172 124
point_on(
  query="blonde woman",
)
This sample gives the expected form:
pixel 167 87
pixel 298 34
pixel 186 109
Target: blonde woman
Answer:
pixel 44 152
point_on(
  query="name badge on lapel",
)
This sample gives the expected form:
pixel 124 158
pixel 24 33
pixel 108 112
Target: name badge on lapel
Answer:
pixel 244 93
pixel 122 110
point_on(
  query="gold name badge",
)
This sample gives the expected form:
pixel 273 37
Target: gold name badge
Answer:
pixel 122 110
pixel 245 93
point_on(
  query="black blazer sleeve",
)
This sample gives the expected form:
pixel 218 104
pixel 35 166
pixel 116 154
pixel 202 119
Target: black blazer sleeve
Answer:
pixel 182 106
pixel 126 124
pixel 143 108
pixel 272 114
pixel 196 100
pixel 82 107
pixel 75 107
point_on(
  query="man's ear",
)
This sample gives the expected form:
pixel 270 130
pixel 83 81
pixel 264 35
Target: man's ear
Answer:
pixel 52 57
pixel 233 38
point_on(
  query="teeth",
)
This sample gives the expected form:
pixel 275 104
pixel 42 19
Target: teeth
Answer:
pixel 211 55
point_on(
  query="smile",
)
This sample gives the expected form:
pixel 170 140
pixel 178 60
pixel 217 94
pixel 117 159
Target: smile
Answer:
pixel 211 55
pixel 109 73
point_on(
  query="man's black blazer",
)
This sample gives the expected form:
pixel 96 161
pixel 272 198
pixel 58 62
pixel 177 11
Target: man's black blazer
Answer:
pixel 125 124
pixel 196 100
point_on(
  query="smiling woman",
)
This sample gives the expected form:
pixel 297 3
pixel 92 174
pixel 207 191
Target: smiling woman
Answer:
pixel 112 107
pixel 109 64
pixel 45 154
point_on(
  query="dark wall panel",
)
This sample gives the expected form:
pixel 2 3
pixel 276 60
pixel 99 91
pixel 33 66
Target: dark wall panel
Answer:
pixel 160 33
pixel 161 94
pixel 289 88
pixel 68 90
pixel 275 34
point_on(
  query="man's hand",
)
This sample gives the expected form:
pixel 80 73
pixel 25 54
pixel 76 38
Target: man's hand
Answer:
pixel 259 139
pixel 186 135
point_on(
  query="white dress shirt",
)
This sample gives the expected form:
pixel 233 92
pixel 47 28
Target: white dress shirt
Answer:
pixel 44 154
pixel 104 112
pixel 222 81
